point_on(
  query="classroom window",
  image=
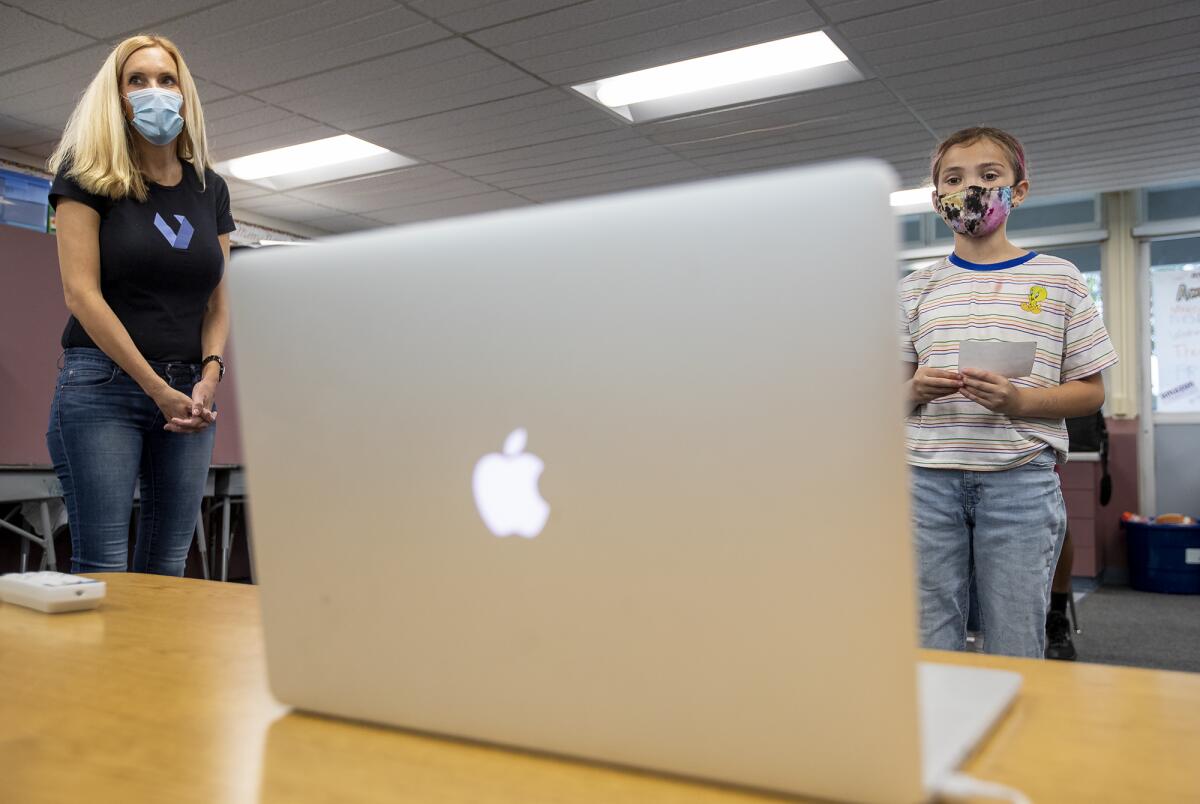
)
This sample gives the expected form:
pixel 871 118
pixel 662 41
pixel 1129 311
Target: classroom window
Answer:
pixel 1072 214
pixel 1058 216
pixel 1087 259
pixel 912 230
pixel 1041 216
pixel 1170 203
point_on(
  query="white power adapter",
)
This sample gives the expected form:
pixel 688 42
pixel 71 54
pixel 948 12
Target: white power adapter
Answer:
pixel 51 592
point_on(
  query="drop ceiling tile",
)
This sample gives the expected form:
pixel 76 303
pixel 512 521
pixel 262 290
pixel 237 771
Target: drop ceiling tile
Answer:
pixel 60 79
pixel 537 117
pixel 266 136
pixel 469 205
pixel 598 39
pixel 286 208
pixel 25 39
pixel 243 191
pixel 614 181
pixel 469 15
pixel 422 184
pixel 436 78
pixel 344 224
pixel 244 46
pixel 19 134
pixel 614 143
pixel 112 18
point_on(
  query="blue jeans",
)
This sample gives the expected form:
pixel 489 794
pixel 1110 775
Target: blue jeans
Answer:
pixel 1012 524
pixel 105 434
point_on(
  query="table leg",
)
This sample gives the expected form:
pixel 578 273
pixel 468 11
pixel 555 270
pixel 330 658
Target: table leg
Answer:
pixel 49 560
pixel 225 546
pixel 202 545
pixel 26 538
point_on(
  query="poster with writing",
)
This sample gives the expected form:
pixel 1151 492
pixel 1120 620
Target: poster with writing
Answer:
pixel 1177 339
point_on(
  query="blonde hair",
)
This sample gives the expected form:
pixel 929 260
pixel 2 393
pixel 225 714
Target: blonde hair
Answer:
pixel 97 144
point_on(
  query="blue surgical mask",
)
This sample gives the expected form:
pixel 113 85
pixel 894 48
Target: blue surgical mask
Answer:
pixel 156 114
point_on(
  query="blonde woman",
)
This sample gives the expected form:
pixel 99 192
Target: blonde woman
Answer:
pixel 143 240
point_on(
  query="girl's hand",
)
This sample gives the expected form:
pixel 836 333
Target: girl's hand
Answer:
pixel 929 384
pixel 993 391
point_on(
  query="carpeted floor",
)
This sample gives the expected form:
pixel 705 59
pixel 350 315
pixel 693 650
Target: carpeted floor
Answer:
pixel 1141 629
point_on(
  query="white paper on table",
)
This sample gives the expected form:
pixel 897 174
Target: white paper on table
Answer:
pixel 1002 357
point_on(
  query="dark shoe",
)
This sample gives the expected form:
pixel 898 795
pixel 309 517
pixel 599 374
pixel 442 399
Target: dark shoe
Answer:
pixel 1058 637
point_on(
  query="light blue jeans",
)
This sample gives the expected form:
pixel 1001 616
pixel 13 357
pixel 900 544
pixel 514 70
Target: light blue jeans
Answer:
pixel 1009 526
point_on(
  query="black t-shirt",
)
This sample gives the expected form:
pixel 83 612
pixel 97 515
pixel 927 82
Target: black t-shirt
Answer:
pixel 159 261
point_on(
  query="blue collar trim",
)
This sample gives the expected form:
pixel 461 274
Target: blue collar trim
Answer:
pixel 990 266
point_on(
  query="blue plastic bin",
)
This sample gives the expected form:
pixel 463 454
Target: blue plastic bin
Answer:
pixel 1164 558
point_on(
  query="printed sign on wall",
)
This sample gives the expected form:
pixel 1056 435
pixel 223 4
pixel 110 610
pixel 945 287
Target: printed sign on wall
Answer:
pixel 1177 340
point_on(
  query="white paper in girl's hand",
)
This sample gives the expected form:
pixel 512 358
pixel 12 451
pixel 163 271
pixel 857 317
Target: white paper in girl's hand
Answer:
pixel 1002 357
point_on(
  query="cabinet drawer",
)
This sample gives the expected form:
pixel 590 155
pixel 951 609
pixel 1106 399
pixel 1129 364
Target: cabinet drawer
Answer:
pixel 1081 502
pixel 1078 475
pixel 1085 564
pixel 1083 531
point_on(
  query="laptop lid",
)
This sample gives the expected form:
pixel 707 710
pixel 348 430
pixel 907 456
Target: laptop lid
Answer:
pixel 699 381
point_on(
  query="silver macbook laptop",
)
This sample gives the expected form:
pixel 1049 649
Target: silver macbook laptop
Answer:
pixel 620 479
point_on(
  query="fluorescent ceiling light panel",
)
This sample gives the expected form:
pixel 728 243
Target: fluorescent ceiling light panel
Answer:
pixel 314 162
pixel 782 67
pixel 720 69
pixel 316 154
pixel 919 196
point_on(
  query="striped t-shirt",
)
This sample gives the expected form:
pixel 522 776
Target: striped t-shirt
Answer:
pixel 1032 298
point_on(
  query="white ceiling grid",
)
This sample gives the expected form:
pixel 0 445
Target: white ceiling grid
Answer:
pixel 1101 91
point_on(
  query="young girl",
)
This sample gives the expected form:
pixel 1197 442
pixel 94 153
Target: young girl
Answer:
pixel 983 447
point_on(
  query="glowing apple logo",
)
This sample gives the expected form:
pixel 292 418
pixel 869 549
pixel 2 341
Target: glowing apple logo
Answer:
pixel 506 489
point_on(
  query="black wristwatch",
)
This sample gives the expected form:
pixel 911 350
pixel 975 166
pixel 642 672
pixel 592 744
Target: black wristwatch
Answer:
pixel 220 365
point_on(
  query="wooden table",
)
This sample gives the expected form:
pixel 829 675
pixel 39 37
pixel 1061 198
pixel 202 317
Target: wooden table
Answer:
pixel 161 696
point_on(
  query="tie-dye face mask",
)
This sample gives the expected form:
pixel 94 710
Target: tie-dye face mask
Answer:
pixel 975 211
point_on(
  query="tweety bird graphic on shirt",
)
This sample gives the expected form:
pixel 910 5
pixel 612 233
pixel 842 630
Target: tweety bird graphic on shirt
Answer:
pixel 1037 295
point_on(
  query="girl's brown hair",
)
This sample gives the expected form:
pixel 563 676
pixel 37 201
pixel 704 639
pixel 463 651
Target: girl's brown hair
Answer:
pixel 1010 144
